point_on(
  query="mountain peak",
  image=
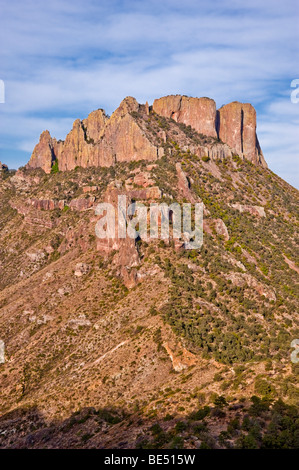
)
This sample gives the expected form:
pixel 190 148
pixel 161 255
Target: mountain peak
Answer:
pixel 128 136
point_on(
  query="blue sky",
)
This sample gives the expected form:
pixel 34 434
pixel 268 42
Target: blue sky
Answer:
pixel 62 59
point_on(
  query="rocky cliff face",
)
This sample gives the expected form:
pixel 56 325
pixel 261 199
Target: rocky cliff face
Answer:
pixel 237 127
pixel 43 154
pixel 234 123
pixel 126 136
pixel 199 113
pixel 97 141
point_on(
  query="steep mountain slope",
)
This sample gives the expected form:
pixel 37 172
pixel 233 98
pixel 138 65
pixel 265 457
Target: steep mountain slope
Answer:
pixel 137 344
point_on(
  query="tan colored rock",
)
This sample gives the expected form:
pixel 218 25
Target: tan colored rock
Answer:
pixel 143 179
pixel 216 226
pixel 151 166
pixel 249 257
pixel 153 193
pixel 81 269
pixel 24 181
pixel 43 154
pixel 199 113
pixel 82 145
pixel 234 262
pixel 94 125
pixel 237 128
pixel 184 184
pixel 97 141
pixel 181 359
pixel 102 141
pixel 291 264
pixel 76 151
pixel 36 256
pixel 34 217
pixel 123 139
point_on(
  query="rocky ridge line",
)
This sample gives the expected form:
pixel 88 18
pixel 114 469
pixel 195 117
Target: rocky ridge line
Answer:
pixel 101 141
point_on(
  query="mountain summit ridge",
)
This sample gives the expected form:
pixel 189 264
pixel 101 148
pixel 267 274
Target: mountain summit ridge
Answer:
pixel 126 136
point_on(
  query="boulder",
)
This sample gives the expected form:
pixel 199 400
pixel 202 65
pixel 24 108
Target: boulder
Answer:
pixel 81 269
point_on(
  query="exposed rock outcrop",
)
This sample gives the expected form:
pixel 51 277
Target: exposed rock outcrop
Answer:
pixel 216 226
pixel 46 204
pixel 234 124
pixel 97 141
pixel 94 124
pixel 237 128
pixel 43 154
pixel 184 184
pixel 90 189
pixel 126 258
pixel 81 269
pixel 102 141
pixel 24 181
pixel 143 179
pixel 34 217
pixel 79 204
pixel 180 357
pixel 291 264
pixel 199 113
pixel 82 204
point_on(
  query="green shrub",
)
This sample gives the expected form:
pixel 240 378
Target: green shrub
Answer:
pixel 55 167
pixel 263 388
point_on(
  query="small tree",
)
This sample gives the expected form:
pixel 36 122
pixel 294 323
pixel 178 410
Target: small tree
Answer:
pixel 220 402
pixel 55 168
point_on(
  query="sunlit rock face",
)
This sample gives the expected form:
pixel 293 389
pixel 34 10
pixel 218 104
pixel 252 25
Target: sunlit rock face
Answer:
pixel 102 141
pixel 237 128
pixel 199 113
